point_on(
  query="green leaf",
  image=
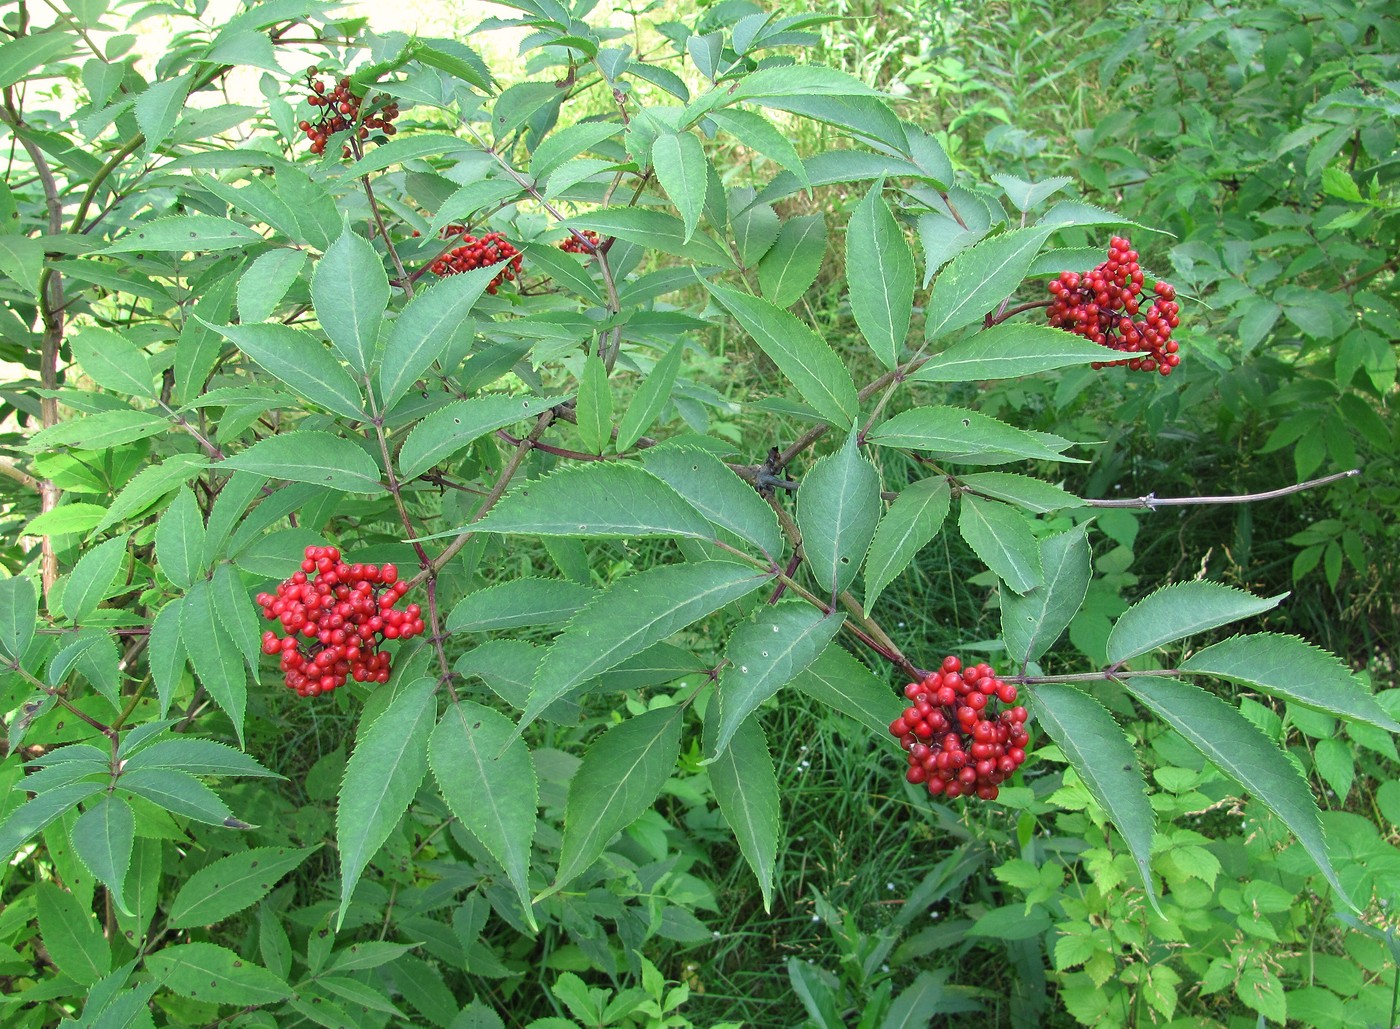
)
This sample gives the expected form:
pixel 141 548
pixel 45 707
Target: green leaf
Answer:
pixel 969 437
pixel 234 609
pixel 434 323
pixel 215 657
pixel 215 975
pixel 231 884
pixel 1031 623
pixel 68 518
pixel 649 400
pixel 167 652
pixel 71 935
pixel 19 57
pixel 383 774
pixel 880 274
pixel 298 359
pixel 906 528
pixel 654 230
pixel 1295 670
pixel 619 778
pixel 600 500
pixel 310 455
pixel 1026 195
pixel 451 428
pixel 158 107
pixel 369 954
pixel 92 578
pixel 595 405
pixel 1008 351
pixel 104 431
pixel 630 615
pixel 406 148
pixel 759 134
pixel 149 485
pixel 184 233
pixel 920 1000
pixel 709 485
pixel 267 280
pixel 34 815
pixel 1023 491
pixel 838 508
pixel 569 270
pixel 488 779
pixel 1237 747
pixel 789 267
pixel 1180 610
pixel 979 278
pixel 102 838
pixel 800 354
pixel 763 655
pixel 350 291
pixel 179 793
pixel 114 362
pixel 746 789
pixel 839 681
pixel 1098 749
pixel 516 603
pixel 19 610
pixel 683 171
pixel 800 80
pixel 567 143
pixel 180 540
pixel 1002 539
pixel 199 757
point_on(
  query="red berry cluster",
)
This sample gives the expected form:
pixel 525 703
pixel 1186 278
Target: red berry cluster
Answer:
pixel 1101 305
pixel 571 244
pixel 955 743
pixel 335 616
pixel 340 110
pixel 492 248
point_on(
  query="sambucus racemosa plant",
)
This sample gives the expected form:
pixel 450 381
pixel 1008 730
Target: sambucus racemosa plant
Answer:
pixel 192 440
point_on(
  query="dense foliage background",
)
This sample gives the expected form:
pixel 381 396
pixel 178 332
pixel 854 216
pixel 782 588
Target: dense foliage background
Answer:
pixel 762 251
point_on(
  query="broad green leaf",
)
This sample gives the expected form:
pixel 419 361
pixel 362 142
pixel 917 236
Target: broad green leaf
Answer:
pixel 151 484
pixel 715 491
pixel 620 777
pixel 979 278
pixel 906 528
pixel 471 198
pixel 595 405
pixel 1180 610
pixel 368 954
pixel 1002 538
pixel 838 166
pixel 516 603
pixel 92 577
pixel 310 455
pixel 167 653
pixel 114 362
pixel 800 354
pixel 215 975
pixel 838 508
pixel 755 228
pixel 215 657
pixel 434 322
pixel 1032 494
pixel 488 779
pixel 19 57
pixel 35 815
pixel 600 500
pixel 180 538
pixel 920 1000
pixel 1008 351
pixel 179 793
pixel 1025 195
pixel 788 268
pixel 630 615
pixel 654 230
pixel 199 757
pixel 19 607
pixel 93 654
pixel 454 427
pixel 1031 623
pixel 102 838
pixel 1237 747
pixel 383 774
pixel 231 884
pixel 968 437
pixel 65 519
pixel 567 143
pixel 350 291
pixel 681 167
pixel 568 270
pixel 408 147
pixel 800 80
pixel 298 359
pixel 1295 670
pixel 746 789
pixel 839 681
pixel 649 400
pixel 234 608
pixel 104 431
pixel 184 233
pixel 158 107
pixel 880 275
pixel 71 935
pixel 22 259
pixel 759 134
pixel 763 655
pixel 1098 749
